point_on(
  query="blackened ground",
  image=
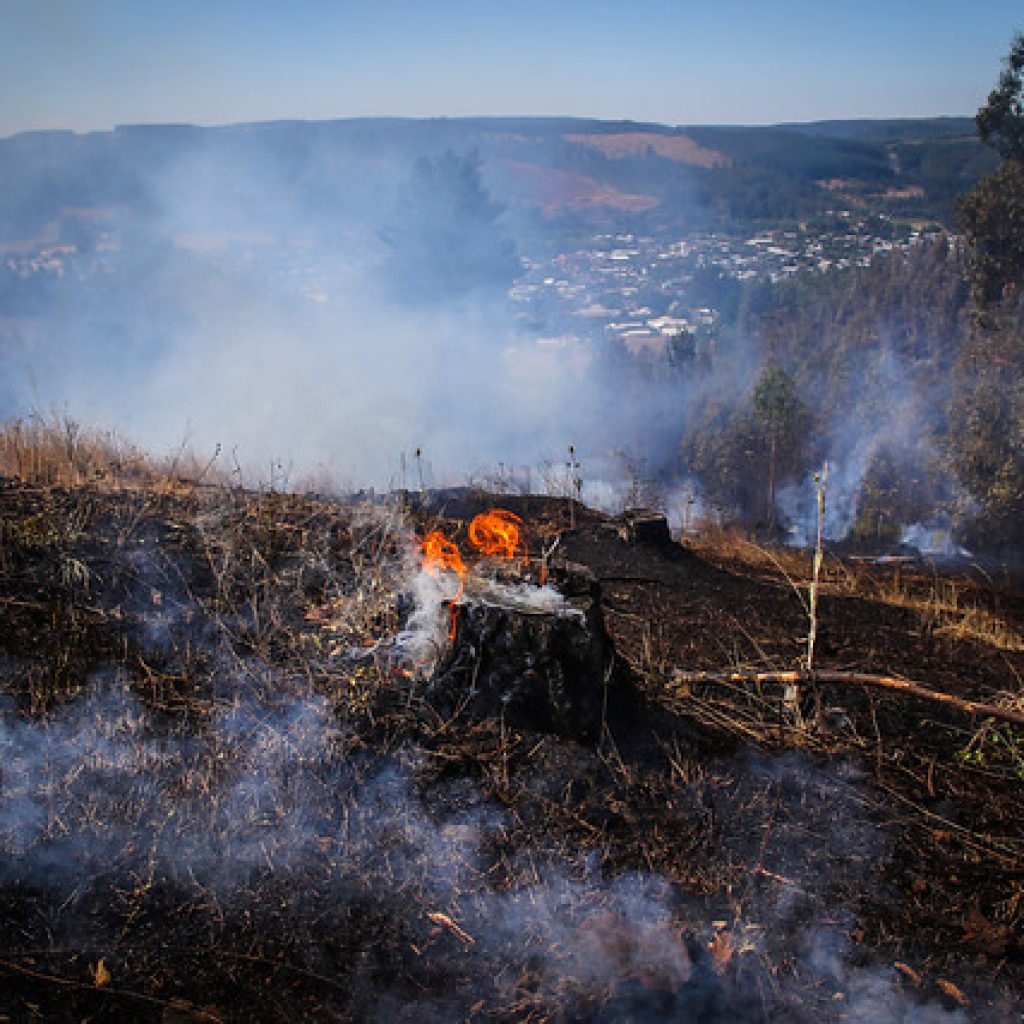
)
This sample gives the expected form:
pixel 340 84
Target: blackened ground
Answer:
pixel 377 855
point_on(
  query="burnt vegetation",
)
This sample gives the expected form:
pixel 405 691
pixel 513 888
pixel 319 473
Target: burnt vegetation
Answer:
pixel 228 793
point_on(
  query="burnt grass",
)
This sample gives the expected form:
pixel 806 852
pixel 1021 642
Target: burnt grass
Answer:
pixel 225 797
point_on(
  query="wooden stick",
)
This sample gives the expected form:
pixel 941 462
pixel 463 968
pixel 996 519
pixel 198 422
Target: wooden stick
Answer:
pixel 970 707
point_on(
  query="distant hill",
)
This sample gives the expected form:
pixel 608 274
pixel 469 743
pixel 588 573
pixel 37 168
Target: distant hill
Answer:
pixel 553 174
pixel 892 130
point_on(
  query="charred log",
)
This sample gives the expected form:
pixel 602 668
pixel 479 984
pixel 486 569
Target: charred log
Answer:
pixel 644 528
pixel 551 671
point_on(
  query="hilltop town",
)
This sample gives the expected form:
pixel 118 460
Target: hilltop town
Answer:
pixel 635 290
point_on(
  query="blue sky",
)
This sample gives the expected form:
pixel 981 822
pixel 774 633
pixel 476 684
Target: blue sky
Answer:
pixel 88 64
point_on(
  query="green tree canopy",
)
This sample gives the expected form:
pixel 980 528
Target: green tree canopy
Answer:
pixel 991 215
pixel 446 240
pixel 782 418
pixel 1001 121
pixel 776 403
pixel 741 450
pixel 986 408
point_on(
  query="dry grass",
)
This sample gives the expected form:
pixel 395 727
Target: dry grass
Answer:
pixel 949 606
pixel 56 451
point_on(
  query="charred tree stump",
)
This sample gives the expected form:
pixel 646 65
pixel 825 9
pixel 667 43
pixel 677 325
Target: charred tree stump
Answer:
pixel 551 671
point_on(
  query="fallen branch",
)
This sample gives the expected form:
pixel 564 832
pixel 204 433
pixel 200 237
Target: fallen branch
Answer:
pixel 970 707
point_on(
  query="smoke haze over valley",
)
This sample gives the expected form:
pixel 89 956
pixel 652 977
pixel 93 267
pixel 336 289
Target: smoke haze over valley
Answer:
pixel 316 303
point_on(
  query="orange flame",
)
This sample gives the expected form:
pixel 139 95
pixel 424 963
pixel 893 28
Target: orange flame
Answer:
pixel 497 532
pixel 441 555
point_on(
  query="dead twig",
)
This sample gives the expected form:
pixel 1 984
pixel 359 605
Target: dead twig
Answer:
pixel 444 921
pixel 970 707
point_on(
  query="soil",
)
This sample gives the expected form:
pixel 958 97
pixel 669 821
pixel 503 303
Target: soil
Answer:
pixel 226 795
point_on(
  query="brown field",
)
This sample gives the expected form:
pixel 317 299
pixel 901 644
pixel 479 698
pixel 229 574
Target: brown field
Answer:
pixel 554 190
pixel 680 148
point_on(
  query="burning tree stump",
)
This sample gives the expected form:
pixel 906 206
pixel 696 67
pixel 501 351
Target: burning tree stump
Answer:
pixel 550 670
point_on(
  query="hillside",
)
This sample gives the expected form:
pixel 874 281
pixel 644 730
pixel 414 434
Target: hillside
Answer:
pixel 235 788
pixel 55 184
